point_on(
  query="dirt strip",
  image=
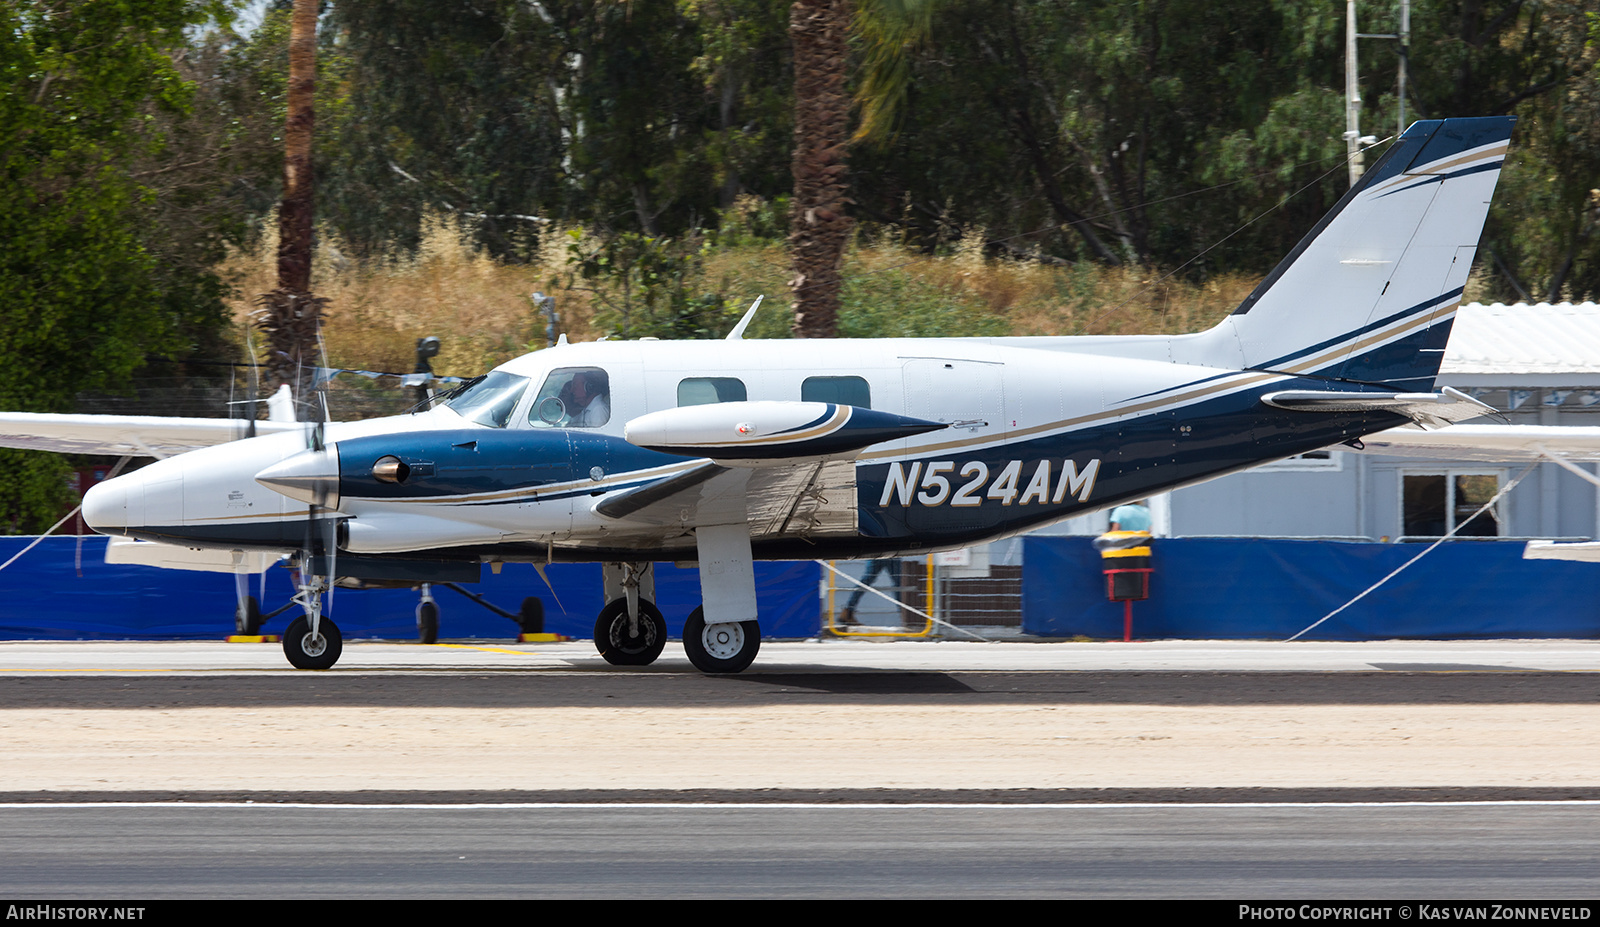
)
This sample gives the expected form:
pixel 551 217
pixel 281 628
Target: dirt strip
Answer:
pixel 851 746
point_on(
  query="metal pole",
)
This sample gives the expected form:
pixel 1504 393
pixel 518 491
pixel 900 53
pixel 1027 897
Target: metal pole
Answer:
pixel 1405 57
pixel 1352 97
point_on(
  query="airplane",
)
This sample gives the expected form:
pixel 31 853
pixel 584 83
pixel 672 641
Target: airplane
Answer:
pixel 723 452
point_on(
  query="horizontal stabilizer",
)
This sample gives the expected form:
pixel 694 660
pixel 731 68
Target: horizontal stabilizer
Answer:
pixel 769 432
pixel 1492 443
pixel 1430 409
pixel 1582 551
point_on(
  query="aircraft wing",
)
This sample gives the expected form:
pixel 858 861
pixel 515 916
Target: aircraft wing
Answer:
pixel 123 435
pixel 806 499
pixel 1494 443
pixel 783 468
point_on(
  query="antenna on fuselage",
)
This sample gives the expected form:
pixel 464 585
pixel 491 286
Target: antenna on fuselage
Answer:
pixel 738 330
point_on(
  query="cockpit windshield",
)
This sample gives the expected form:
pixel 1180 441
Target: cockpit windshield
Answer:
pixel 491 400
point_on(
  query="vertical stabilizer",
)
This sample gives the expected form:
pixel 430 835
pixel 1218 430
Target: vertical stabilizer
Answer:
pixel 1370 293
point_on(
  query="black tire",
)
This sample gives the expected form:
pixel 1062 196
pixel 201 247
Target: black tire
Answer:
pixel 726 650
pixel 531 619
pixel 247 616
pixel 428 622
pixel 611 634
pixel 306 655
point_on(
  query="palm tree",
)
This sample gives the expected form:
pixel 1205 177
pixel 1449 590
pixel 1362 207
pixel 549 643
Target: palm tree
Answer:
pixel 293 316
pixel 819 223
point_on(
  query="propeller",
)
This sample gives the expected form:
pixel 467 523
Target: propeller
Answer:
pixel 322 526
pixel 247 609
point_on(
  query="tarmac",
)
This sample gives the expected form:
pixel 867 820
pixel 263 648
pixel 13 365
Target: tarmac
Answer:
pixel 195 717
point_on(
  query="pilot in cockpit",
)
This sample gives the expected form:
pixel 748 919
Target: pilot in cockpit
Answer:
pixel 587 399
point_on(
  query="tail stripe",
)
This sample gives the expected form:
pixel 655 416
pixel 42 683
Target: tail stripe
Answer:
pixel 1346 341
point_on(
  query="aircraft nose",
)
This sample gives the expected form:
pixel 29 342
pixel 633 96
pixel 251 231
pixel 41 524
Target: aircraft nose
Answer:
pixel 309 476
pixel 106 504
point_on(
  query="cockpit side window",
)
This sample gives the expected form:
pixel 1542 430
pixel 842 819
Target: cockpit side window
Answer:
pixel 573 397
pixel 491 400
pixel 700 391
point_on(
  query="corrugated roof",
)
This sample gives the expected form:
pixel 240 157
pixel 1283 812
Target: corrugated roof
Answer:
pixel 1543 340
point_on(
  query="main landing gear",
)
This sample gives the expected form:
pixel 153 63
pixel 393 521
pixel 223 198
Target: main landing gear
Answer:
pixel 721 636
pixel 726 647
pixel 630 630
pixel 630 640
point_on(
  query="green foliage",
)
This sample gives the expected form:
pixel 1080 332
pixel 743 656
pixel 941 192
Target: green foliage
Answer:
pixel 647 287
pixel 35 490
pixel 895 304
pixel 84 89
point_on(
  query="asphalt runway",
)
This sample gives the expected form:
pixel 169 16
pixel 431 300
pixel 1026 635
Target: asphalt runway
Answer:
pixel 830 769
pixel 1237 852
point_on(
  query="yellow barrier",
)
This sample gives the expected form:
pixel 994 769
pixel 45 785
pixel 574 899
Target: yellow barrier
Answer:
pixel 838 631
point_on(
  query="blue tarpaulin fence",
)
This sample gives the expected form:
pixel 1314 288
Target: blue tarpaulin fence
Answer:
pixel 59 591
pixel 1250 588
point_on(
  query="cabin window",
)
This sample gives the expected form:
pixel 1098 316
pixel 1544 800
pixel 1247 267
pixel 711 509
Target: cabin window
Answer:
pixel 846 391
pixel 1433 504
pixel 573 397
pixel 701 391
pixel 491 400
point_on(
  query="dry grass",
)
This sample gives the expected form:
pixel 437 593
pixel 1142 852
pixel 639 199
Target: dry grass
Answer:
pixel 480 308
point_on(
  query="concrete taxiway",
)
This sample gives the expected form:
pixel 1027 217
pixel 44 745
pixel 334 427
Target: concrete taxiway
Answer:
pixel 197 657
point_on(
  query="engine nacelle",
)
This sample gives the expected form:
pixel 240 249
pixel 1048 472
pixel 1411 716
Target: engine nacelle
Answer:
pixel 392 534
pixel 770 430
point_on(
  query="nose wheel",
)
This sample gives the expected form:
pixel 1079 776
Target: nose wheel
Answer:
pixel 726 647
pixel 306 650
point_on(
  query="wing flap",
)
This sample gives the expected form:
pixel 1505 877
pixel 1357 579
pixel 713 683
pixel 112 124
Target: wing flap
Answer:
pixel 809 500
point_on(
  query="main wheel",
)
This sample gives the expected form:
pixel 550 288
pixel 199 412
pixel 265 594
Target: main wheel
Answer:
pixel 612 639
pixel 315 653
pixel 247 616
pixel 720 648
pixel 428 622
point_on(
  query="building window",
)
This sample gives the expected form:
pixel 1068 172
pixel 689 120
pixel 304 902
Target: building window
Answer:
pixel 846 391
pixel 701 391
pixel 1433 504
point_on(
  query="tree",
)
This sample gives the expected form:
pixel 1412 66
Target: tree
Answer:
pixel 293 317
pixel 81 83
pixel 819 222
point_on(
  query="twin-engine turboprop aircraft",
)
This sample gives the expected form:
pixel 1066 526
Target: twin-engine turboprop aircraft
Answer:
pixel 722 452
